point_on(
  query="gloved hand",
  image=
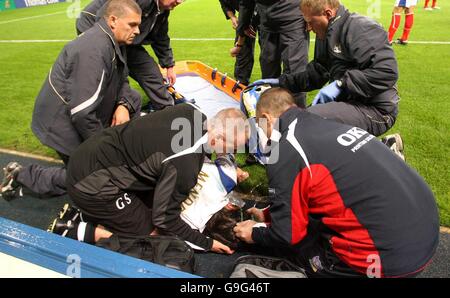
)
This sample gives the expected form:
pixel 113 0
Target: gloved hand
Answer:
pixel 273 82
pixel 328 93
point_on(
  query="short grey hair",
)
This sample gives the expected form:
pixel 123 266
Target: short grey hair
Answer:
pixel 120 8
pixel 275 101
pixel 229 123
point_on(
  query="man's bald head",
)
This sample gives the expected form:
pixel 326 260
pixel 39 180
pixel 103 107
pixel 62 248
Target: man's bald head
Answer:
pixel 230 127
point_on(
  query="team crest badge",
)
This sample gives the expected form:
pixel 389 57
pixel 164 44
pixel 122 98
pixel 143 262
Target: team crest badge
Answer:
pixel 337 49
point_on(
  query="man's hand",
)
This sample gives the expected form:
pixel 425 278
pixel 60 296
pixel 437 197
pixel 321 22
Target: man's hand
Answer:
pixel 250 32
pixel 241 175
pixel 257 214
pixel 243 230
pixel 121 115
pixel 328 93
pixel 234 22
pixel 235 51
pixel 220 248
pixel 171 76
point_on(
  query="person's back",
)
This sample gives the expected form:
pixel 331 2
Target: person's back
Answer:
pixel 126 155
pixel 374 209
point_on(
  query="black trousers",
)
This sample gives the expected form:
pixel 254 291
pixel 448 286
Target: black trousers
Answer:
pixel 287 48
pixel 375 119
pixel 120 212
pixel 45 181
pixel 146 72
pixel 245 61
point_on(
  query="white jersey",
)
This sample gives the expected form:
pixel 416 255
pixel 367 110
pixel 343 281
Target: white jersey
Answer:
pixel 405 3
pixel 209 196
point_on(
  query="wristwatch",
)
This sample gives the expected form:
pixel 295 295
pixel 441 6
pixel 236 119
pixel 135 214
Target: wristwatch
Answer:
pixel 339 83
pixel 125 104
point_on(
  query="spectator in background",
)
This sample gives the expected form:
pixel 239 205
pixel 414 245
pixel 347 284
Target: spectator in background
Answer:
pixel 433 6
pixel 406 6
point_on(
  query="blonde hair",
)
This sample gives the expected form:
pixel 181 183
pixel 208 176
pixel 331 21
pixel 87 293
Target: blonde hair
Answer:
pixel 317 6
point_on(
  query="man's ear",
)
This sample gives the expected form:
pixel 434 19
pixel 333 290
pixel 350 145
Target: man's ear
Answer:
pixel 268 116
pixel 112 21
pixel 329 13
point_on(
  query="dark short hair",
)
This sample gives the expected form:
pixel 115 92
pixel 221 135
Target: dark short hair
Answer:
pixel 275 100
pixel 220 227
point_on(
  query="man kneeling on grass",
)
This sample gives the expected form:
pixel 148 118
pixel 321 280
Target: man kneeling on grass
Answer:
pixel 342 203
pixel 86 91
pixel 132 179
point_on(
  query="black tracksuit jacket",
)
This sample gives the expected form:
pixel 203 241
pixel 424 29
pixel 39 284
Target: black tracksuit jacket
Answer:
pixel 139 157
pixel 356 51
pixel 370 204
pixel 82 90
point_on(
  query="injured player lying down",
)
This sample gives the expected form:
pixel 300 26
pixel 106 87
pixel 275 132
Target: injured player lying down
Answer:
pixel 208 208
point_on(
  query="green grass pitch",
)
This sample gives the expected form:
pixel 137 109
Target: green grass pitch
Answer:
pixel 424 85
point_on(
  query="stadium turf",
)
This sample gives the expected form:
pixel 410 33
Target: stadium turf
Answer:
pixel 424 120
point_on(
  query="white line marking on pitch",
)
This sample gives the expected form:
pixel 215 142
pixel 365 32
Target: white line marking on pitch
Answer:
pixel 34 41
pixel 29 155
pixel 33 17
pixel 187 39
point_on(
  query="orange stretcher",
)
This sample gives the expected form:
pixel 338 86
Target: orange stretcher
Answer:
pixel 220 80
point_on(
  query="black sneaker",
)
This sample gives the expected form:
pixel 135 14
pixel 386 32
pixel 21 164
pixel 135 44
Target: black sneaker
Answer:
pixel 61 227
pixel 401 42
pixel 70 213
pixel 10 188
pixel 395 143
